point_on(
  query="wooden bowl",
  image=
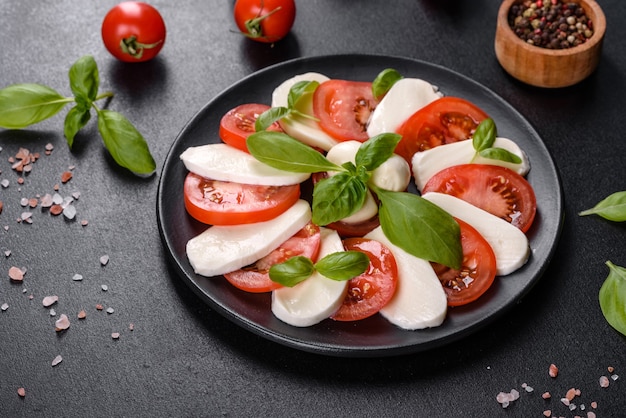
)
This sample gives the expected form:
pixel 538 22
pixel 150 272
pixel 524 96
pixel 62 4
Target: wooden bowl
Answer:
pixel 543 67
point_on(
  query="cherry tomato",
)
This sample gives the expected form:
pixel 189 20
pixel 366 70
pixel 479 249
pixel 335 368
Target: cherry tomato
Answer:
pixel 477 273
pixel 498 190
pixel 255 278
pixel 446 120
pixel 133 31
pixel 225 203
pixel 343 108
pixel 238 123
pixel 373 289
pixel 265 20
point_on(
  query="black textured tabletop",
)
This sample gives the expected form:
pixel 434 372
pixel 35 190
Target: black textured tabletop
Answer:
pixel 150 346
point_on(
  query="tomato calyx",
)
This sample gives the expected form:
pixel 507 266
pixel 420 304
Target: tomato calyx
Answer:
pixel 135 49
pixel 253 26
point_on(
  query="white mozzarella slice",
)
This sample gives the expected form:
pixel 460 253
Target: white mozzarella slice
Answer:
pixel 419 301
pixel 509 244
pixel 404 98
pixel 316 298
pixel 222 249
pixel 225 163
pixel 305 130
pixel 426 164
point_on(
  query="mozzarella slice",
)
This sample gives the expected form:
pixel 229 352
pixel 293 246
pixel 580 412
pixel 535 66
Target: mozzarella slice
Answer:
pixel 225 163
pixel 509 244
pixel 404 98
pixel 222 249
pixel 316 298
pixel 303 129
pixel 419 301
pixel 426 164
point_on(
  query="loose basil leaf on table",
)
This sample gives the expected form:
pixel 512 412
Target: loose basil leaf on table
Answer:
pixel 22 105
pixel 612 297
pixel 612 208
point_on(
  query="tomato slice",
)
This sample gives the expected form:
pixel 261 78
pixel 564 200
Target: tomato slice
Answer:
pixel 373 289
pixel 238 124
pixel 446 120
pixel 498 190
pixel 477 273
pixel 256 279
pixel 226 203
pixel 343 108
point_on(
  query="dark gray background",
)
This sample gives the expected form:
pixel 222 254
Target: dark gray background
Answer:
pixel 182 358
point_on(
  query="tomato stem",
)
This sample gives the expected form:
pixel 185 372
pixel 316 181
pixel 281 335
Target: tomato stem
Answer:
pixel 253 26
pixel 135 49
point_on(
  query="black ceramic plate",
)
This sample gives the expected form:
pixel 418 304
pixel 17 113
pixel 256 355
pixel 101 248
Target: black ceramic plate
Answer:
pixel 373 336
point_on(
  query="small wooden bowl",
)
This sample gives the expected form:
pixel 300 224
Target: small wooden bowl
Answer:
pixel 543 67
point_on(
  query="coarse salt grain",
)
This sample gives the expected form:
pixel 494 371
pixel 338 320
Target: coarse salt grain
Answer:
pixel 110 310
pixel 16 274
pixel 53 312
pixel 104 260
pixel 546 395
pixel 57 360
pixel 104 287
pixel 50 300
pixel 21 392
pixel 604 382
pixel 115 335
pixel 77 277
pixel 506 398
pixel 4 307
pixel 62 323
pixel 82 314
pixel 547 413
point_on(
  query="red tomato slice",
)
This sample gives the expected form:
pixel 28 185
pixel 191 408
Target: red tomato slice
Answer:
pixel 498 190
pixel 446 120
pixel 373 289
pixel 225 203
pixel 238 124
pixel 343 108
pixel 477 272
pixel 256 279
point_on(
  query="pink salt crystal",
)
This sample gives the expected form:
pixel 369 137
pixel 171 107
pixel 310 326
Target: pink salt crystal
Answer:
pixel 594 404
pixel 82 314
pixel 57 360
pixel 546 395
pixel 131 326
pixel 21 392
pixel 547 413
pixel 104 260
pixel 611 369
pixel 115 335
pixel 62 323
pixel 506 398
pixel 604 382
pixel 591 414
pixel 50 300
pixel 571 394
pixel 16 274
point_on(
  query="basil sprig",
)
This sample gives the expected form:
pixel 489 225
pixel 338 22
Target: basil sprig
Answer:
pixel 410 222
pixel 22 105
pixel 383 82
pixel 483 140
pixel 339 266
pixel 613 208
pixel 297 92
pixel 612 297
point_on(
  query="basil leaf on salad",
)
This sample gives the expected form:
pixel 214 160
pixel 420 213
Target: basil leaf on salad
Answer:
pixel 612 297
pixel 612 208
pixel 268 117
pixel 337 197
pixel 292 271
pixel 376 150
pixel 484 135
pixel 420 228
pixel 281 151
pixel 22 105
pixel 298 90
pixel 500 154
pixel 384 81
pixel 343 265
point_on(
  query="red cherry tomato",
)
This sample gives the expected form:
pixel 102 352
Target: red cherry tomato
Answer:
pixel 265 20
pixel 238 123
pixel 498 190
pixel 133 31
pixel 343 108
pixel 225 203
pixel 477 273
pixel 446 120
pixel 256 279
pixel 373 289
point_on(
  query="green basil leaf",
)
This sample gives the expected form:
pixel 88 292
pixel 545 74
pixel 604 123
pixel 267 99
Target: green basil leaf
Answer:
pixel 126 145
pixel 85 80
pixel 281 151
pixel 75 119
pixel 612 297
pixel 485 135
pixel 500 154
pixel 298 90
pixel 343 265
pixel 291 272
pixel 383 82
pixel 612 208
pixel 22 105
pixel 271 115
pixel 337 197
pixel 420 228
pixel 376 150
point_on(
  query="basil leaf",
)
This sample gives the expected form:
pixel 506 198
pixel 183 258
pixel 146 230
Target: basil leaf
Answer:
pixel 281 151
pixel 84 80
pixel 612 208
pixel 420 228
pixel 126 145
pixel 22 105
pixel 343 265
pixel 376 150
pixel 485 135
pixel 270 116
pixel 298 90
pixel 75 119
pixel 612 297
pixel 337 197
pixel 383 82
pixel 291 272
pixel 500 154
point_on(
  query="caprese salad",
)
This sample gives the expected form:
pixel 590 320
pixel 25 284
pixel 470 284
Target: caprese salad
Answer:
pixel 361 244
